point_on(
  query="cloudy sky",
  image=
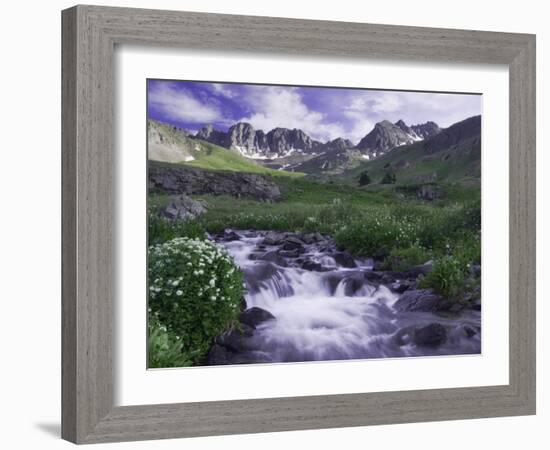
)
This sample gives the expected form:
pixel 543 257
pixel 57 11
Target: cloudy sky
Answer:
pixel 323 113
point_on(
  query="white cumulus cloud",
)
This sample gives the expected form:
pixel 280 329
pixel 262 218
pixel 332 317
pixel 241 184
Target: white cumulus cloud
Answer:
pixel 277 106
pixel 182 106
pixel 223 90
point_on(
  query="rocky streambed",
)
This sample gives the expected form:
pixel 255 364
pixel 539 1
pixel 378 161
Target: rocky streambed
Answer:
pixel 308 301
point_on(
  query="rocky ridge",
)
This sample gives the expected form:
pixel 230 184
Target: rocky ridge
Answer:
pixel 193 181
pixel 283 142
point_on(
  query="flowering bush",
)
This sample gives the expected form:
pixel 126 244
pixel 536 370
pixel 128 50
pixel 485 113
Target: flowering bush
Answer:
pixel 447 276
pixel 194 291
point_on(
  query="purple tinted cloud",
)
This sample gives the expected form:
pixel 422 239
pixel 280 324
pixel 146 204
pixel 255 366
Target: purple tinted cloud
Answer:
pixel 323 113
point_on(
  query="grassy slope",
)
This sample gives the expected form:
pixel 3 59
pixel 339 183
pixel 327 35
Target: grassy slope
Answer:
pixel 330 164
pixel 213 157
pixel 411 164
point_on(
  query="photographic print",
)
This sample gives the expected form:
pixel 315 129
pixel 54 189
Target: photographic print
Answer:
pixel 309 223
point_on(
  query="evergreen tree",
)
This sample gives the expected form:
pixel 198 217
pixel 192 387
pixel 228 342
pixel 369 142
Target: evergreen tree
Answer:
pixel 364 179
pixel 389 178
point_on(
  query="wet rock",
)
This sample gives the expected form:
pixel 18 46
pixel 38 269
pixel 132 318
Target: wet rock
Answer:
pixel 344 259
pixel 351 281
pixel 432 335
pixel 291 253
pixel 418 300
pixel 444 305
pixel 401 286
pixel 352 284
pixel 469 331
pixel 273 238
pixel 456 307
pixel 312 238
pixel 229 236
pixel 313 266
pixel 327 247
pixel 255 316
pixel 260 272
pixel 271 256
pixel 218 356
pixel 391 277
pixel 373 277
pixel 236 340
pixel 263 273
pixel 242 304
pixel 183 208
pixel 293 243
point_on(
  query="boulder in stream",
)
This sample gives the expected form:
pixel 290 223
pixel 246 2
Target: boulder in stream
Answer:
pixel 432 335
pixel 270 256
pixel 255 316
pixel 344 259
pixel 418 300
pixel 235 340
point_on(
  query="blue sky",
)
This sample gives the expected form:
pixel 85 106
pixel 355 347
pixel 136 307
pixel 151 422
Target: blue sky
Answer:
pixel 323 113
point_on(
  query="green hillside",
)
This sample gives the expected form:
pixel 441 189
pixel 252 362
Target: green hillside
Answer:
pixel 452 156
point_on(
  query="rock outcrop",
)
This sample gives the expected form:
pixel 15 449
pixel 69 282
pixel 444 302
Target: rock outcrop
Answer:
pixel 183 208
pixel 193 181
pixel 252 143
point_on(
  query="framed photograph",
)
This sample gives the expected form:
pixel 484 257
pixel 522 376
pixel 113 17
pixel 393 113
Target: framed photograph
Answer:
pixel 253 213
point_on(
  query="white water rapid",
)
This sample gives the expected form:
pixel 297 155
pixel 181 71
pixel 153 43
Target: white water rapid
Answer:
pixel 332 311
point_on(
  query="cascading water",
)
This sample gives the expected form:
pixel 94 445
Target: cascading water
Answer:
pixel 326 309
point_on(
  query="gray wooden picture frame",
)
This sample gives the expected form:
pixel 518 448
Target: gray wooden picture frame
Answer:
pixel 90 34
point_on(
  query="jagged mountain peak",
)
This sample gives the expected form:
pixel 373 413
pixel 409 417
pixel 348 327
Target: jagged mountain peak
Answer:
pixel 242 125
pixel 384 137
pixel 384 124
pixel 338 144
pixel 408 130
pixel 426 130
